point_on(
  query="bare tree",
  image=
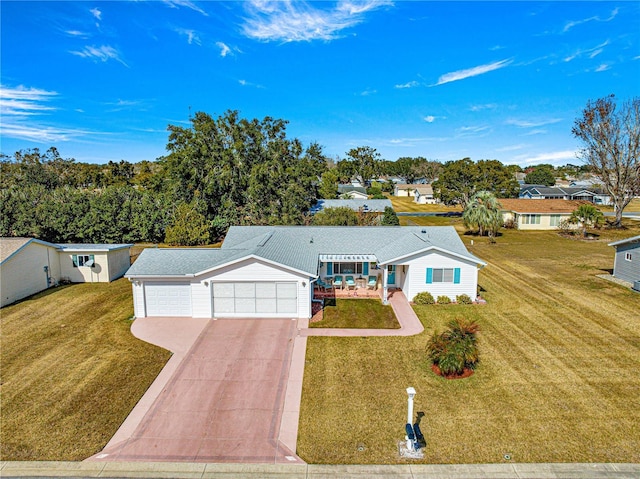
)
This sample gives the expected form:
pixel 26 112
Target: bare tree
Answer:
pixel 611 144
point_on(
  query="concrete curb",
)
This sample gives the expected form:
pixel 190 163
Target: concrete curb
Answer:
pixel 318 471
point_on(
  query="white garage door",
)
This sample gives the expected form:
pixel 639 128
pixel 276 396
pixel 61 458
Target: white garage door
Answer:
pixel 255 299
pixel 168 299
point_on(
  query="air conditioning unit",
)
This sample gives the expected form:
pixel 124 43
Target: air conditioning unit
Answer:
pixel 636 286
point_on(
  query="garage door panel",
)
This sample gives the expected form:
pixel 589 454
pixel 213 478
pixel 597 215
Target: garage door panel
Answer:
pixel 168 299
pixel 255 299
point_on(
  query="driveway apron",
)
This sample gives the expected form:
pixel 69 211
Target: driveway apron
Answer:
pixel 225 401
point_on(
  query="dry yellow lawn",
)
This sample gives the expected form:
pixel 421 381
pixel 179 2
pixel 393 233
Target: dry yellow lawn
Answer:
pixel 71 371
pixel 559 378
pixel 406 204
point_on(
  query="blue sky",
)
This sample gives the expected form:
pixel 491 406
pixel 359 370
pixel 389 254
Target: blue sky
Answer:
pixel 444 80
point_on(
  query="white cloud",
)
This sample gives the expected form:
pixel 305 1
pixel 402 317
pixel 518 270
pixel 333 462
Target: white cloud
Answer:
pixel 575 23
pixel 192 35
pixel 21 101
pixel 368 92
pixel 410 84
pixel 486 106
pixel 186 4
pixel 512 147
pixel 592 52
pixel 559 157
pixel 96 13
pixel 76 33
pixel 224 49
pixel 531 123
pixel 254 85
pixel 103 53
pixel 471 72
pixel 429 118
pixel 602 68
pixel 292 21
pixel 39 133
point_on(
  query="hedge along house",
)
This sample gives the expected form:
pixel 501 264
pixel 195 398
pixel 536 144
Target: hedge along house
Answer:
pixel 28 265
pixel 269 272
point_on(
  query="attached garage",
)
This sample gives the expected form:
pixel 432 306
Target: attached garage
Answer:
pixel 260 299
pixel 168 299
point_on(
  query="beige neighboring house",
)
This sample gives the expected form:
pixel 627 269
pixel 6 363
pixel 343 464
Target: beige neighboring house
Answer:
pixel 424 195
pixel 28 265
pixel 528 214
pixel 403 189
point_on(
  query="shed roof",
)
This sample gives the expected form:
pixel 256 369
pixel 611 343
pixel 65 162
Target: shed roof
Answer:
pixel 633 239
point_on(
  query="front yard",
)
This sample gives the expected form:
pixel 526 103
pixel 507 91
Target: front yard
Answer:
pixel 71 371
pixel 558 379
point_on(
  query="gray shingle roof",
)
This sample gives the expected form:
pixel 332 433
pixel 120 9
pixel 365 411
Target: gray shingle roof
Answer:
pixel 94 246
pixel 633 239
pixel 298 247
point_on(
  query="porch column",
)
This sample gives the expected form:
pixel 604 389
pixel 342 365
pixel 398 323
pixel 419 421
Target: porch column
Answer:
pixel 385 277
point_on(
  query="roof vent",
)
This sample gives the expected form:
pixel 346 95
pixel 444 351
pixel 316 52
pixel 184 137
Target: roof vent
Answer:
pixel 266 238
pixel 424 232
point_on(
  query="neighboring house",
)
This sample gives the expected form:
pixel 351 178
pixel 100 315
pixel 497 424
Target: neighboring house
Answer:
pixel 404 189
pixel 269 271
pixel 353 192
pixel 626 265
pixel 28 265
pixel 424 195
pixel 527 214
pixel 541 192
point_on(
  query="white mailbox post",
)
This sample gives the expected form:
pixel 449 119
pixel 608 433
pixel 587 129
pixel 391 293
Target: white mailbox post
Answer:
pixel 411 392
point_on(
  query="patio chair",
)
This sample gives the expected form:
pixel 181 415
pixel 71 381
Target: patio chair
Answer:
pixel 326 286
pixel 350 282
pixel 337 282
pixel 372 283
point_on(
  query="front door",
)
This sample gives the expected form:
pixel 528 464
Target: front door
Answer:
pixel 391 275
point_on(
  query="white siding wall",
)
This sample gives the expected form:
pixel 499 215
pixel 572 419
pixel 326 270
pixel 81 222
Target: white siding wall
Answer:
pixel 138 300
pixel 201 299
pixel 23 274
pixel 416 278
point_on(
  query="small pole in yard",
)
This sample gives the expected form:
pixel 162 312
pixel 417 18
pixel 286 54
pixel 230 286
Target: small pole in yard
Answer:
pixel 411 392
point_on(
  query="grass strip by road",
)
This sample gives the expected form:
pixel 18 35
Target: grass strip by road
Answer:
pixel 356 313
pixel 71 371
pixel 558 376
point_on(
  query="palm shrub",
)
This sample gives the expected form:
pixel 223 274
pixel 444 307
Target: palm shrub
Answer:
pixel 455 349
pixel 424 298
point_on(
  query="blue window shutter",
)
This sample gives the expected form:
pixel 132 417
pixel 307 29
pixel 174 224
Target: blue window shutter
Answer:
pixel 429 275
pixel 365 268
pixel 74 259
pixel 329 269
pixel 456 276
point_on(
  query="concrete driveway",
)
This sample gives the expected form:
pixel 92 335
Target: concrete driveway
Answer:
pixel 223 400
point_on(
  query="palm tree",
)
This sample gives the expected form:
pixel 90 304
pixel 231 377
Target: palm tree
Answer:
pixel 483 212
pixel 586 215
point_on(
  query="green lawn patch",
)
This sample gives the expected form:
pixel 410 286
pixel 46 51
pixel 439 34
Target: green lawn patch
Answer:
pixel 71 371
pixel 357 313
pixel 557 379
pixel 405 204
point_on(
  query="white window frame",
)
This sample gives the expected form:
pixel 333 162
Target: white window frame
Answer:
pixel 81 260
pixel 554 220
pixel 338 268
pixel 628 256
pixel 442 275
pixel 530 219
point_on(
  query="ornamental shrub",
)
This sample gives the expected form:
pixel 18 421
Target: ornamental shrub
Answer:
pixel 463 299
pixel 444 300
pixel 455 349
pixel 424 298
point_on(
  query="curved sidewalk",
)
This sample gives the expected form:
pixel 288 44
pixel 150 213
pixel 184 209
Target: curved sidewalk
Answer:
pixel 409 322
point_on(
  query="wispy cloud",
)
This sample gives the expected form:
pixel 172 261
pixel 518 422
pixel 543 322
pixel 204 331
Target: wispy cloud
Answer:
pixel 22 101
pixel 185 4
pixel 368 92
pixel 532 123
pixel 486 106
pixel 410 84
pixel 224 49
pixel 249 84
pixel 295 21
pixel 18 108
pixel 471 72
pixel 97 14
pixel 429 118
pixel 512 148
pixel 550 157
pixel 192 35
pixel 76 33
pixel 591 52
pixel 575 23
pixel 602 68
pixel 102 53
